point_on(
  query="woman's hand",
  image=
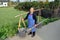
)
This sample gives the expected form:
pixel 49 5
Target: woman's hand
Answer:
pixel 35 25
pixel 22 19
pixel 18 28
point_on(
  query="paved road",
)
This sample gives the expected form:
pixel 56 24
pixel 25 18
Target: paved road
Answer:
pixel 50 31
pixel 47 32
pixel 27 37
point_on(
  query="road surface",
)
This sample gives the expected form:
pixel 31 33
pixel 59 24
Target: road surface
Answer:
pixel 50 31
pixel 47 32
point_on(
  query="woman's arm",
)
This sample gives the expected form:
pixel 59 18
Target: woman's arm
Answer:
pixel 26 16
pixel 34 17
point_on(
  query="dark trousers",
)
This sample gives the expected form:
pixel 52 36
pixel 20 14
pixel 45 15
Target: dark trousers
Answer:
pixel 33 33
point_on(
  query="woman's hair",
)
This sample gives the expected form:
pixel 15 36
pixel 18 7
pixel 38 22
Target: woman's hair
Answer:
pixel 30 8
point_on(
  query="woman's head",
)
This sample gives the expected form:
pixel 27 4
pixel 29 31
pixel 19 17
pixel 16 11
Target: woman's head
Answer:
pixel 31 10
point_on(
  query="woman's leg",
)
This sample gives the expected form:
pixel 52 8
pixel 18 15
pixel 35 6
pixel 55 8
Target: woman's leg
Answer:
pixel 33 34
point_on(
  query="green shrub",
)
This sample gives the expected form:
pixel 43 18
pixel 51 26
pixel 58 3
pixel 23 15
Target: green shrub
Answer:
pixel 37 5
pixel 49 20
pixel 28 5
pixel 8 30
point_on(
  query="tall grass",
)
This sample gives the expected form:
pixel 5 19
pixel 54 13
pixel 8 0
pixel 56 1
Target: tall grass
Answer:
pixel 8 22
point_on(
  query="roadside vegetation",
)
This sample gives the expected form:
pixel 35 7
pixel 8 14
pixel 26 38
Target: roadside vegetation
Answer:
pixel 8 22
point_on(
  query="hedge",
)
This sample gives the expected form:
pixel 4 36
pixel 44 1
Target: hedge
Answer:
pixel 36 5
pixel 28 5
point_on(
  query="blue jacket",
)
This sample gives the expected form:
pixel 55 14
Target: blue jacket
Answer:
pixel 34 17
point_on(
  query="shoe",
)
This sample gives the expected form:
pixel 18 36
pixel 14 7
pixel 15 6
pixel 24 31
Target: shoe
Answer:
pixel 33 34
pixel 30 33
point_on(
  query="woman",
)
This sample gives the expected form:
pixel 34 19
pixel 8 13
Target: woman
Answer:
pixel 32 21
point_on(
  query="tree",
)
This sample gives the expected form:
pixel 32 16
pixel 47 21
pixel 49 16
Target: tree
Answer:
pixel 9 3
pixel 46 4
pixel 30 0
pixel 18 1
pixel 46 0
pixel 56 2
pixel 54 5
